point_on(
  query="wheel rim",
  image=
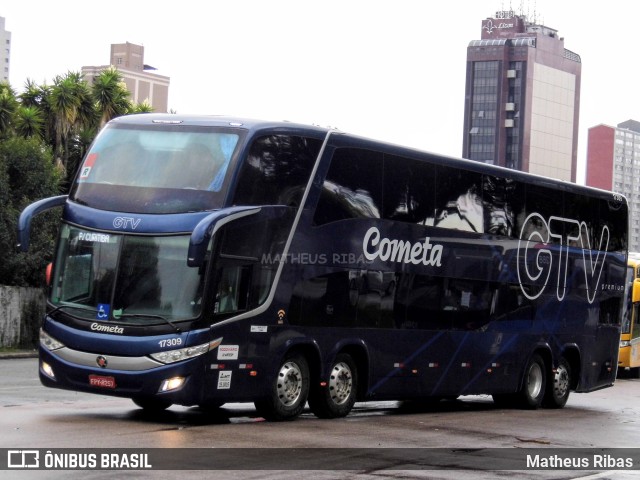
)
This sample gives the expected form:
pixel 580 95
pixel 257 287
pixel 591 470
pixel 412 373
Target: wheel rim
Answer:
pixel 561 381
pixel 534 381
pixel 340 383
pixel 289 386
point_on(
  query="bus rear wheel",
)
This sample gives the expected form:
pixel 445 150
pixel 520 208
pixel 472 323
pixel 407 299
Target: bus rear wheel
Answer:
pixel 534 384
pixel 558 386
pixel 289 391
pixel 336 398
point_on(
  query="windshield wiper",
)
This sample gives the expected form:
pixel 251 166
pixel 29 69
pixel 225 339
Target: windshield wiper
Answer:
pixel 78 307
pixel 149 315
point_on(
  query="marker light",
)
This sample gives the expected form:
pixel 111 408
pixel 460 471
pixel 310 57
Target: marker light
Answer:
pixel 171 384
pixel 48 342
pixel 172 356
pixel 48 273
pixel 47 370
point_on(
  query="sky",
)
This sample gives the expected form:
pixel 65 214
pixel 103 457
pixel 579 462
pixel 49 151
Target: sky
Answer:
pixel 390 70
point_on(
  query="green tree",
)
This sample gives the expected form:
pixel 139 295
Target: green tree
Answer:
pixel 28 122
pixel 111 95
pixel 8 106
pixel 27 174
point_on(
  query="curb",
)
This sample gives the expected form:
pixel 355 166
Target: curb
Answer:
pixel 18 354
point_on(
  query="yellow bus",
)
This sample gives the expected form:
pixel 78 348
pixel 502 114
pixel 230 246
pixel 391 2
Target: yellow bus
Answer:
pixel 629 357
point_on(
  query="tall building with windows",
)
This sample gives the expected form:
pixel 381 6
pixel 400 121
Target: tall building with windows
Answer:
pixel 613 163
pixel 143 85
pixel 5 53
pixel 522 98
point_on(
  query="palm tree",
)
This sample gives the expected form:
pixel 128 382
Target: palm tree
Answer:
pixel 8 106
pixel 64 104
pixel 143 107
pixel 111 95
pixel 28 122
pixel 33 94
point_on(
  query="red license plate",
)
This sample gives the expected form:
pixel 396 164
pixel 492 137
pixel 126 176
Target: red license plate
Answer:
pixel 102 382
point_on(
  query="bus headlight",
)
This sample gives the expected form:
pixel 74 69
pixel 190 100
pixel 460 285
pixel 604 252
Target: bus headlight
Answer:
pixel 171 384
pixel 48 342
pixel 172 356
pixel 624 343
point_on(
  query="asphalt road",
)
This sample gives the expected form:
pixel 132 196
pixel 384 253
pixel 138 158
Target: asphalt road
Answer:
pixel 472 431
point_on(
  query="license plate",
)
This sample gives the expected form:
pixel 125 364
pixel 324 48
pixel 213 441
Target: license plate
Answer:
pixel 102 382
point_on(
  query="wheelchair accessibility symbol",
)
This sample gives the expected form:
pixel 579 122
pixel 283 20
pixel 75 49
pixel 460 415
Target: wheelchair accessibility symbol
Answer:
pixel 103 311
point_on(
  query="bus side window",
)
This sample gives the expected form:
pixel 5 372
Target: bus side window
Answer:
pixel 352 188
pixel 635 327
pixel 277 170
pixel 233 289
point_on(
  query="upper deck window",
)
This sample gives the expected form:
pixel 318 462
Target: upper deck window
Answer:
pixel 277 170
pixel 157 169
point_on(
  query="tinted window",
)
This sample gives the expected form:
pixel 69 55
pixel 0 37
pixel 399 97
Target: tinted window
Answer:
pixel 459 200
pixel 353 187
pixel 409 189
pixel 276 170
pixel 501 198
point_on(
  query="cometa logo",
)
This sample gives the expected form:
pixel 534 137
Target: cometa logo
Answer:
pixel 96 327
pixel 401 251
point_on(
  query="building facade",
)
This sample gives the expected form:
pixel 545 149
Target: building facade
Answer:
pixel 613 163
pixel 522 98
pixel 5 52
pixel 143 85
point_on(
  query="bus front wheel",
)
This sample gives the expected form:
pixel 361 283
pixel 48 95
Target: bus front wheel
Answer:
pixel 289 390
pixel 558 386
pixel 335 398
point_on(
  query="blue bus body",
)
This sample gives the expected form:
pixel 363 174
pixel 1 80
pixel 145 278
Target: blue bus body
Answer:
pixel 309 264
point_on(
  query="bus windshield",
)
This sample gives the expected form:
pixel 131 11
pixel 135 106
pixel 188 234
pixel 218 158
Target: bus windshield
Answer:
pixel 167 169
pixel 138 280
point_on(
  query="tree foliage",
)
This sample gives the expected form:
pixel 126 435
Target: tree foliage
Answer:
pixel 45 132
pixel 27 173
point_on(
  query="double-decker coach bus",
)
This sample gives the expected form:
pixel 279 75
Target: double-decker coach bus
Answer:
pixel 206 260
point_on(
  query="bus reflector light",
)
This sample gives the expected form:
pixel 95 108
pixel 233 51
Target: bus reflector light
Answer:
pixel 253 373
pixel 47 370
pixel 48 273
pixel 171 384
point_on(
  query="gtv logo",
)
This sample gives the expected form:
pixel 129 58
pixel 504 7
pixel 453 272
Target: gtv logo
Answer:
pixel 126 223
pixel 536 261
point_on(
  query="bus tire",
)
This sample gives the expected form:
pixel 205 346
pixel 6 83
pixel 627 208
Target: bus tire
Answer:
pixel 151 404
pixel 336 399
pixel 558 386
pixel 289 391
pixel 534 384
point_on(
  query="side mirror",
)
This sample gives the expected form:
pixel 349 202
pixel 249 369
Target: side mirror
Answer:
pixel 24 221
pixel 208 226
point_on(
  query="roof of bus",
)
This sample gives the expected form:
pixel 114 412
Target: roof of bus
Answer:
pixel 254 124
pixel 213 121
